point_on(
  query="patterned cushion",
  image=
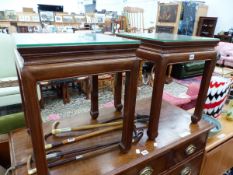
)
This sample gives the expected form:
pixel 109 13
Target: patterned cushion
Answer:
pixel 217 95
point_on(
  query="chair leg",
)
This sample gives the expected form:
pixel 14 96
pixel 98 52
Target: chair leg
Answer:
pixel 65 93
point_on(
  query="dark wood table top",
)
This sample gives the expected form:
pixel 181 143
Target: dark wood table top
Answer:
pixel 65 39
pixel 174 127
pixel 42 49
pixel 167 39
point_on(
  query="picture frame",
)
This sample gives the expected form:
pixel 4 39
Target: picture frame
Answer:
pixel 46 16
pixel 100 18
pixel 164 29
pixel 2 15
pixel 27 18
pixel 10 15
pixel 80 19
pixel 35 18
pixel 68 19
pixel 168 13
pixel 21 18
pixel 58 18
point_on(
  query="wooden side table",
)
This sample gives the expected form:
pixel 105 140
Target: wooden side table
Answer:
pixel 42 57
pixel 166 49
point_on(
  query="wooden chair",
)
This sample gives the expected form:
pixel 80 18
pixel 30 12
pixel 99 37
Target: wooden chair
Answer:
pixel 135 19
pixel 135 24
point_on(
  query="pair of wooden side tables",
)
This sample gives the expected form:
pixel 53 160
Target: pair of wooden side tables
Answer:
pixel 41 57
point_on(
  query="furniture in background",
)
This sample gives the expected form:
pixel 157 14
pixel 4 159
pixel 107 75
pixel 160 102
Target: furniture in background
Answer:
pixel 224 38
pixel 179 17
pixel 178 149
pixel 9 88
pixel 60 86
pixel 164 29
pixel 135 19
pixel 206 26
pixel 225 52
pixel 87 54
pixel 165 49
pixel 168 17
pixel 187 70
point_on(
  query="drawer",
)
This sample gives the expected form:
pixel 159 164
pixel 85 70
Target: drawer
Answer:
pixel 191 166
pixel 187 149
pixel 170 158
pixel 156 165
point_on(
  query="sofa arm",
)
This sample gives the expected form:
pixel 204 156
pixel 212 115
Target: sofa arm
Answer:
pixel 11 122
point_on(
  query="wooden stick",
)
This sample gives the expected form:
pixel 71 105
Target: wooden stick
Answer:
pixel 31 170
pixel 80 128
pixel 111 122
pixel 82 137
pixel 82 156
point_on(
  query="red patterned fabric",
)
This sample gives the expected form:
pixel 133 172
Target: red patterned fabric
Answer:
pixel 217 95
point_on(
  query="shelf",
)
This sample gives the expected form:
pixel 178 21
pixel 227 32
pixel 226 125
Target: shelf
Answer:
pixel 174 122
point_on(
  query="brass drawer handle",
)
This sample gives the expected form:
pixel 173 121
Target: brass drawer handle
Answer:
pixel 186 171
pixel 190 149
pixel 146 171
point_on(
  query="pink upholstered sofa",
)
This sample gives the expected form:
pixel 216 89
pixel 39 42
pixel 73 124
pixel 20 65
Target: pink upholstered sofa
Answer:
pixel 225 51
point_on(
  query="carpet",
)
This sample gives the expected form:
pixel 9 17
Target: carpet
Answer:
pixel 55 109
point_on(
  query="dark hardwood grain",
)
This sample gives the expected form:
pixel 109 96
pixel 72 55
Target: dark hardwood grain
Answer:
pixel 164 50
pixel 39 61
pixel 168 154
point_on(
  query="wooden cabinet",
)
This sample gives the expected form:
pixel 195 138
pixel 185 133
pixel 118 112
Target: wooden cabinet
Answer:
pixel 218 154
pixel 219 159
pixel 206 26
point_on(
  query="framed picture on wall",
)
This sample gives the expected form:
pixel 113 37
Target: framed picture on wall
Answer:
pixel 68 19
pixel 58 18
pixel 164 29
pixel 46 16
pixel 20 17
pixel 80 19
pixel 35 18
pixel 168 13
pixel 27 18
pixel 10 15
pixel 2 15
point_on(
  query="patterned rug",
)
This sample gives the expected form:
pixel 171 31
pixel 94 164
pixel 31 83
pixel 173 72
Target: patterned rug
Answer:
pixel 55 109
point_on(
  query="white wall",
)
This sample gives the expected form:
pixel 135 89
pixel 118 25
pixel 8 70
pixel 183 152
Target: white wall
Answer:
pixel 69 5
pixel 149 6
pixel 223 9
